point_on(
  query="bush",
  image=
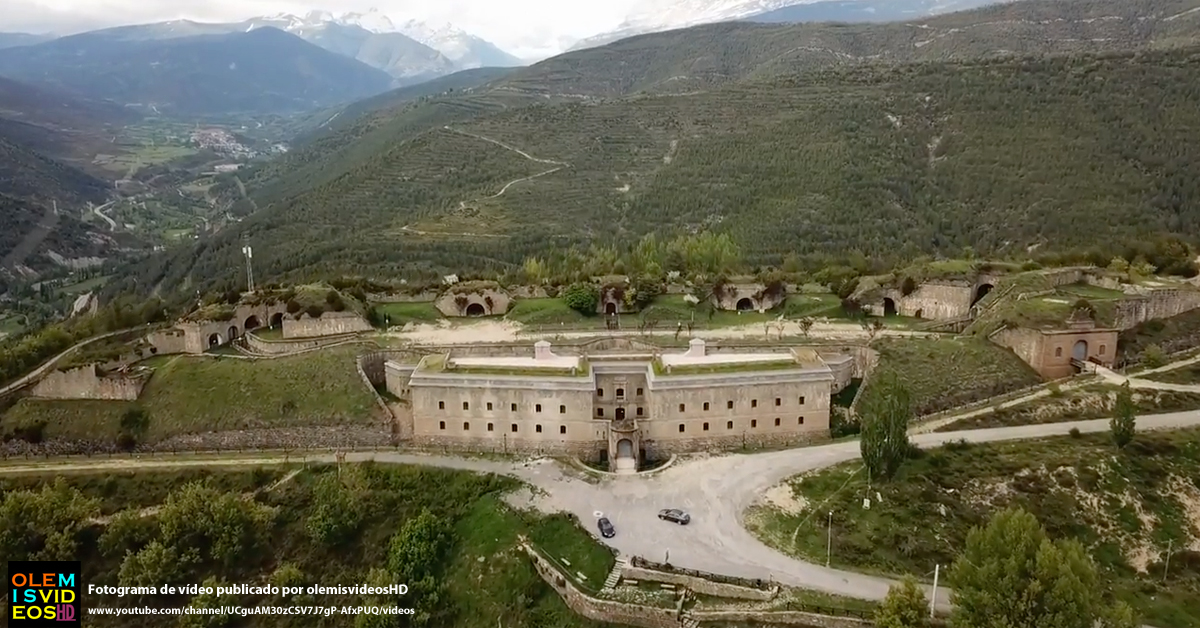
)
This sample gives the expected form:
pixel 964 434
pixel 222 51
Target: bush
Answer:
pixel 582 297
pixel 908 286
pixel 1153 356
pixel 1075 433
pixel 314 311
pixel 293 306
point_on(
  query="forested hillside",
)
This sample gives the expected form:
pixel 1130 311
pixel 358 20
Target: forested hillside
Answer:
pixel 1000 155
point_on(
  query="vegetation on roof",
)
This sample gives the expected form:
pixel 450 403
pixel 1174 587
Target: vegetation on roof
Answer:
pixel 443 363
pixel 782 363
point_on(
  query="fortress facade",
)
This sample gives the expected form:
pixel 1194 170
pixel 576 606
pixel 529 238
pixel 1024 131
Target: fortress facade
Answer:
pixel 619 408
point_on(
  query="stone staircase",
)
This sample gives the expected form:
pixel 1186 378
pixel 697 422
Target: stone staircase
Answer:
pixel 614 577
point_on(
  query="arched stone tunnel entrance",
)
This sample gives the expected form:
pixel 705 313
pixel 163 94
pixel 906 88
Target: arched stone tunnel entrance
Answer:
pixel 745 304
pixel 610 308
pixel 889 306
pixel 214 341
pixel 981 291
pixel 277 320
pixel 1080 351
pixel 251 323
pixel 476 309
pixel 233 333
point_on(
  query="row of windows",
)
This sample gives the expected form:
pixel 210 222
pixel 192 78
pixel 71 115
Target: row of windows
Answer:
pixel 620 392
pixel 1058 351
pixel 753 424
pixel 511 407
pixel 729 404
pixel 491 427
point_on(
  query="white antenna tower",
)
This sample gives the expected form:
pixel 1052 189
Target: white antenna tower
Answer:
pixel 249 253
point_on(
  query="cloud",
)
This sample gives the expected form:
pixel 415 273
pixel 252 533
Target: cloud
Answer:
pixel 523 27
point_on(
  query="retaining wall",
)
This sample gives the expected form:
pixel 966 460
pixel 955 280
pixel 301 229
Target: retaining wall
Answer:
pixel 85 382
pixel 292 345
pixel 601 610
pixel 329 324
pixel 699 585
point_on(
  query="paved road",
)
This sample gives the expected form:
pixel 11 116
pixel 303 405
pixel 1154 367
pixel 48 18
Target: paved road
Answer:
pixel 716 490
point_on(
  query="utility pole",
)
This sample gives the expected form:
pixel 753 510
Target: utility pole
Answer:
pixel 1167 563
pixel 933 596
pixel 829 542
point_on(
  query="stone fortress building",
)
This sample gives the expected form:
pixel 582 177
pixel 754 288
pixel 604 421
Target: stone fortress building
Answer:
pixel 619 407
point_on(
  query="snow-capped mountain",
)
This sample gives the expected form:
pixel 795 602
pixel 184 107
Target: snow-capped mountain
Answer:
pixel 464 49
pixel 660 15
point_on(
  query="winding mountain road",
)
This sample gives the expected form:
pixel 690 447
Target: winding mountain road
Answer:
pixel 716 491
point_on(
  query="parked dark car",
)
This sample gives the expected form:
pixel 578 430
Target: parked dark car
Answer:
pixel 606 528
pixel 674 515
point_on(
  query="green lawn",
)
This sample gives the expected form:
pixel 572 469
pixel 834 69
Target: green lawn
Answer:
pixel 11 325
pixel 943 373
pixel 1127 507
pixel 1189 374
pixel 400 313
pixel 1090 402
pixel 544 312
pixel 94 283
pixel 670 310
pixel 190 394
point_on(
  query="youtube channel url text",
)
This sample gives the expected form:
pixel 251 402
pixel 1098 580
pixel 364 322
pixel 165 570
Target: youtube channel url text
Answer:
pixel 243 611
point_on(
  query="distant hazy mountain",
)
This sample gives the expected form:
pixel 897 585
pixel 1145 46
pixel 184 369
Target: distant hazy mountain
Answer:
pixel 10 40
pixel 178 67
pixel 661 15
pixel 866 10
pixel 464 49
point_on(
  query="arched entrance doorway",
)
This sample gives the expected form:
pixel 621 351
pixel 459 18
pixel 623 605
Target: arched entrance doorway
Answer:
pixel 1080 351
pixel 214 341
pixel 476 309
pixel 233 334
pixel 981 291
pixel 624 448
pixel 745 304
pixel 889 307
pixel 620 414
pixel 277 320
pixel 610 308
pixel 251 323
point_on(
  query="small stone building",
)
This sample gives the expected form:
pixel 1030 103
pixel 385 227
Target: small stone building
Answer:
pixel 1058 353
pixel 747 297
pixel 475 298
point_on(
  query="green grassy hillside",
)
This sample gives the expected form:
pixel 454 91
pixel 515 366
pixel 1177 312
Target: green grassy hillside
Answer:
pixel 889 161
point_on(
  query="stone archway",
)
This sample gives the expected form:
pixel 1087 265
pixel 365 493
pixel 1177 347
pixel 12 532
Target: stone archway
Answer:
pixel 214 341
pixel 251 323
pixel 981 291
pixel 1080 351
pixel 624 448
pixel 277 320
pixel 889 306
pixel 610 308
pixel 476 309
pixel 919 314
pixel 745 304
pixel 233 333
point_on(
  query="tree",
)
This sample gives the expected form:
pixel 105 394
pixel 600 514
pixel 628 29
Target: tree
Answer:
pixel 806 325
pixel 1118 266
pixel 904 607
pixel 339 503
pixel 155 565
pixel 1011 574
pixel 207 600
pixel 1153 356
pixel 226 527
pixel 127 531
pixel 582 297
pixel 1124 421
pixel 414 558
pixel 46 524
pixel 884 418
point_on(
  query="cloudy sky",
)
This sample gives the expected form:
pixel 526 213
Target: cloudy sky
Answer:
pixel 527 28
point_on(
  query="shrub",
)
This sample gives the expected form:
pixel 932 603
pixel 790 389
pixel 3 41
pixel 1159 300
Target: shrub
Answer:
pixel 293 306
pixel 582 297
pixel 1075 433
pixel 314 311
pixel 908 286
pixel 1153 356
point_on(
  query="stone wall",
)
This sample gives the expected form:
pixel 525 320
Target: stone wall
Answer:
pixel 329 324
pixel 168 341
pixel 86 382
pixel 734 293
pixel 1155 305
pixel 662 448
pixel 1050 352
pixel 482 302
pixel 420 297
pixel 931 301
pixel 601 610
pixel 787 618
pixel 699 584
pixel 200 336
pixel 292 345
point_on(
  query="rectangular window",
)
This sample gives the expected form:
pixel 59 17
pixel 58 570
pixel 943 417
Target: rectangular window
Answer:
pixel 778 401
pixel 728 405
pixel 537 428
pixel 514 427
pixel 562 409
pixel 491 428
pixel 753 403
pixel 706 427
pixel 801 399
pixel 801 421
pixel 441 425
pixel 639 411
pixel 682 407
pixel 466 405
pixel 489 406
pixel 599 392
pixel 729 425
pixel 639 392
pixel 513 407
pixel 466 425
pixel 681 428
pixel 562 429
pixel 599 411
pixel 620 393
pixel 441 405
pixel 537 408
pixel 776 421
pixel 706 405
pixel 753 422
